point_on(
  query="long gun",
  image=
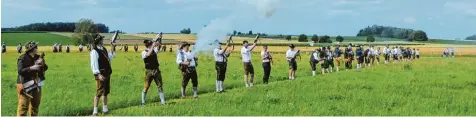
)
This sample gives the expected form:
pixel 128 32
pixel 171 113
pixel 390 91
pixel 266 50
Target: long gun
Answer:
pixel 256 39
pixel 114 37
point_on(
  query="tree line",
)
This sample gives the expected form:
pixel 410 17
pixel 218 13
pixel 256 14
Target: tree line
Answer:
pixel 473 37
pixel 393 32
pixel 55 27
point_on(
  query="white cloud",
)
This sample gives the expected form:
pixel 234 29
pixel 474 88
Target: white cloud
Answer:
pixel 410 20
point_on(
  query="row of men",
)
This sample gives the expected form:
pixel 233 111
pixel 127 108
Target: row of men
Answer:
pixel 327 57
pixel 32 67
pixel 449 52
pixel 59 48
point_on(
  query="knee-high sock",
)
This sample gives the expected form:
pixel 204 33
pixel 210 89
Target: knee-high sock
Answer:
pixel 195 92
pixel 221 85
pixel 144 94
pixel 313 73
pixel 162 97
pixel 218 85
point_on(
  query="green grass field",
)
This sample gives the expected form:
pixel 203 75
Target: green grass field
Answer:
pixel 45 39
pixel 431 86
pixel 451 42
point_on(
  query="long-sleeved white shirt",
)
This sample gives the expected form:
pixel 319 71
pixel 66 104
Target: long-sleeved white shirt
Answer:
pixel 246 54
pixel 290 54
pixel 417 52
pixel 144 53
pixel 265 56
pixel 315 56
pixel 94 55
pixel 218 55
pixel 182 56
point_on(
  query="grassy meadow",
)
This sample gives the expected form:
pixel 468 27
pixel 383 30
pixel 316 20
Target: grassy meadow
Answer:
pixel 430 86
pixel 45 39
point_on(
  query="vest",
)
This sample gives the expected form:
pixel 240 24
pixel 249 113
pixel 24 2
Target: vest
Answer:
pixel 151 61
pixel 103 60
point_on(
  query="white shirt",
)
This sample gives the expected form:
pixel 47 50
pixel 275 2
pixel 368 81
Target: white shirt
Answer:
pixel 218 55
pixel 144 53
pixel 417 52
pixel 315 56
pixel 265 56
pixel 80 46
pixel 329 55
pixel 94 59
pixel 399 51
pixel 376 52
pixel 395 51
pixel 290 53
pixel 186 56
pixel 371 50
pixel 246 54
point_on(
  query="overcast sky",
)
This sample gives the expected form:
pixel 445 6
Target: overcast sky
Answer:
pixel 439 18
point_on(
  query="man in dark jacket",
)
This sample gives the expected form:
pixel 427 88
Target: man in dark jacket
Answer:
pixel 30 68
pixel 101 68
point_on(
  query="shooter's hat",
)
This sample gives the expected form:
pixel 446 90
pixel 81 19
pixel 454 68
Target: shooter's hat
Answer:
pixel 98 38
pixel 184 44
pixel 292 46
pixel 30 46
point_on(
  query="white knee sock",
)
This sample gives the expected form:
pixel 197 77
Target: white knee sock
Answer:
pixel 162 97
pixel 218 86
pixel 337 68
pixel 221 85
pixel 332 69
pixel 143 97
pixel 313 73
pixel 195 92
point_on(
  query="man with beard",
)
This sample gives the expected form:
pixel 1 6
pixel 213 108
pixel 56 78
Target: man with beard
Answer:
pixel 188 65
pixel 31 68
pixel 101 68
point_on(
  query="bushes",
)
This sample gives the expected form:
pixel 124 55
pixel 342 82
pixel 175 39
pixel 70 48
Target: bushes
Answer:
pixel 302 38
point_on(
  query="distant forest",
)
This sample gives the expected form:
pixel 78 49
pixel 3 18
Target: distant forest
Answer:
pixel 393 32
pixel 54 27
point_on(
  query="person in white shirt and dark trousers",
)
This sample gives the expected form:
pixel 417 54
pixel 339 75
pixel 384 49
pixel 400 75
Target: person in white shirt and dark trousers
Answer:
pixel 221 60
pixel 187 64
pixel 314 59
pixel 152 71
pixel 266 59
pixel 291 55
pixel 101 67
pixel 247 65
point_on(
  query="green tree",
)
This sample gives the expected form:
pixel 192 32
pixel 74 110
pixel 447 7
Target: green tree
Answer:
pixel 288 37
pixel 234 32
pixel 473 37
pixel 339 38
pixel 84 31
pixel 418 36
pixel 302 38
pixel 250 32
pixel 324 39
pixel 315 38
pixel 370 38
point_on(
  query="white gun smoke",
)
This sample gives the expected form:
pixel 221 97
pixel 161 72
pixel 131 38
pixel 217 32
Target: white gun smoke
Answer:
pixel 217 30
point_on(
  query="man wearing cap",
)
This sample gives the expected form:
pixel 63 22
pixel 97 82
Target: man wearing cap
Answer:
pixel 81 47
pixel 126 48
pixel 152 71
pixel 246 58
pixel 266 59
pixel 337 56
pixel 67 48
pixel 360 56
pixel 101 68
pixel 330 59
pixel 349 57
pixel 4 47
pixel 19 48
pixel 29 93
pixel 187 64
pixel 136 47
pixel 221 60
pixel 291 55
pixel 314 59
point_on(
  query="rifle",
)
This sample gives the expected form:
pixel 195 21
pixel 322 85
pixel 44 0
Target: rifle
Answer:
pixel 256 39
pixel 115 36
pixel 270 58
pixel 298 54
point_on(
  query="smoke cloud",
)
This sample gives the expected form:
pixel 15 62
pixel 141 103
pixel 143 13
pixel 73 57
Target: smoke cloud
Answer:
pixel 217 29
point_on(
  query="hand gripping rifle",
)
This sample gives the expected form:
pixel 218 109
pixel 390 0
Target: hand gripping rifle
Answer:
pixel 115 37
